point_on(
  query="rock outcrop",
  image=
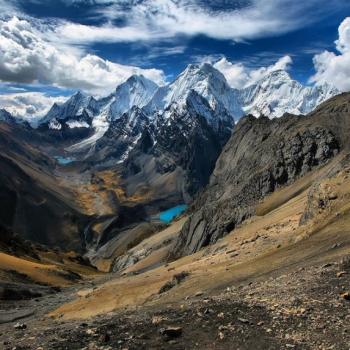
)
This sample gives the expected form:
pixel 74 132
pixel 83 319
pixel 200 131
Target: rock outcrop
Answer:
pixel 261 156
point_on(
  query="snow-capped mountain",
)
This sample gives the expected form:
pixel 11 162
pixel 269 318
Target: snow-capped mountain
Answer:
pixel 200 95
pixel 83 111
pixel 136 91
pixel 207 82
pixel 277 93
pixel 183 142
pixel 200 87
pixel 195 113
pixel 170 136
pixel 73 107
pixel 72 114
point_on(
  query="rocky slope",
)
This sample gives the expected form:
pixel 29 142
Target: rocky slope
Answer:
pixel 261 156
pixel 32 203
pixel 5 116
pixel 295 310
pixel 271 284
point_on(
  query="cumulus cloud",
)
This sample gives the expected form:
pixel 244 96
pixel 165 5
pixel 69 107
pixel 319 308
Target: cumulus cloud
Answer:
pixel 28 105
pixel 235 74
pixel 334 68
pixel 239 76
pixel 343 43
pixel 27 56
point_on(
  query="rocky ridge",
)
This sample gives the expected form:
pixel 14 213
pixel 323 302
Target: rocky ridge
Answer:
pixel 261 156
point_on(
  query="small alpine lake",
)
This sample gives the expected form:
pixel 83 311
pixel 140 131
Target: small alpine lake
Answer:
pixel 64 160
pixel 169 215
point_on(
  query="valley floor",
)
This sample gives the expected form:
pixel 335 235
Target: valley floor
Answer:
pixel 280 281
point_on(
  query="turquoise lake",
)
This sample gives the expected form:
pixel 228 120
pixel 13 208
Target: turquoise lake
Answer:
pixel 64 160
pixel 169 215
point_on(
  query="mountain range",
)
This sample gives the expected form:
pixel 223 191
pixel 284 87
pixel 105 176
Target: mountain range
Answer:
pixel 172 199
pixel 163 142
pixel 273 95
pixel 141 123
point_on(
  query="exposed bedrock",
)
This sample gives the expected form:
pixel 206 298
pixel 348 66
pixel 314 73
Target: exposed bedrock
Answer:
pixel 261 156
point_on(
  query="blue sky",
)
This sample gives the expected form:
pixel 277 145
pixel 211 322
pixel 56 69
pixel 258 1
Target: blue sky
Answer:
pixel 52 48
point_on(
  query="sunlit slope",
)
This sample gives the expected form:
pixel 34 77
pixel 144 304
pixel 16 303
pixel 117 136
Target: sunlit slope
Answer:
pixel 267 245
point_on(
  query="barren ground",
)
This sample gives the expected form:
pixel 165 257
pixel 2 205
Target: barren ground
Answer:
pixel 273 283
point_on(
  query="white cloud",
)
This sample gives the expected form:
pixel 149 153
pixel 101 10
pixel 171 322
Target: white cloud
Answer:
pixel 149 20
pixel 239 76
pixel 27 56
pixel 75 33
pixel 8 8
pixel 28 105
pixel 334 68
pixel 235 74
pixel 343 43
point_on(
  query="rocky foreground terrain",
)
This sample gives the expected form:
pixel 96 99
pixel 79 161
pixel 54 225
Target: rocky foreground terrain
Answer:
pixel 279 281
pixel 303 309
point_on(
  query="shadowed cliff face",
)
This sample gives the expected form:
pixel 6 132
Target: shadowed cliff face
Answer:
pixel 32 203
pixel 261 156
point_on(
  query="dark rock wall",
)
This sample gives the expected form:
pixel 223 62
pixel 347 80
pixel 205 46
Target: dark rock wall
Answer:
pixel 261 156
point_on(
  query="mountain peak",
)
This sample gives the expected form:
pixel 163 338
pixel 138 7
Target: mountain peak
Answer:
pixel 277 93
pixel 197 77
pixel 207 82
pixel 138 81
pixel 276 77
pixel 72 107
pixel 202 71
pixel 79 95
pixel 137 78
pixel 280 73
pixel 6 116
pixel 137 90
